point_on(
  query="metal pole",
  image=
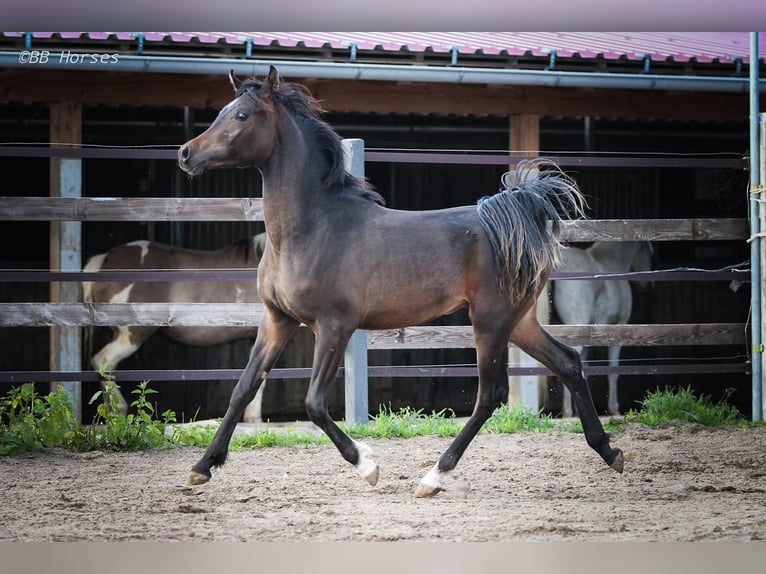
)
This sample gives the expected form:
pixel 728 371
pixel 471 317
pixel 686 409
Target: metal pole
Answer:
pixel 755 240
pixel 355 358
pixel 762 220
pixel 394 73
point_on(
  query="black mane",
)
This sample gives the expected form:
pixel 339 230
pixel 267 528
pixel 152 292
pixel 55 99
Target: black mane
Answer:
pixel 297 99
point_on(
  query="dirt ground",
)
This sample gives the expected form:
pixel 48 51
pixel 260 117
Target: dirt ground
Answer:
pixel 682 482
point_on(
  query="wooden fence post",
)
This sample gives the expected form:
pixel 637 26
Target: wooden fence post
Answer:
pixel 355 358
pixel 65 255
pixel 526 390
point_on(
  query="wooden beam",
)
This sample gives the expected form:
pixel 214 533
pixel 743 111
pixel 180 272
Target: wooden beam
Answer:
pixel 527 390
pixel 637 335
pixel 131 314
pixel 419 337
pixel 703 229
pixel 131 209
pixel 202 91
pixel 251 209
pixel 524 134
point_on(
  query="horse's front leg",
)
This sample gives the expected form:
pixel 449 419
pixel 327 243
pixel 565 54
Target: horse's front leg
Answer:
pixel 330 344
pixel 273 334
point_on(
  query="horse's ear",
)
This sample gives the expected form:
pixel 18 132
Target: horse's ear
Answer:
pixel 235 81
pixel 272 80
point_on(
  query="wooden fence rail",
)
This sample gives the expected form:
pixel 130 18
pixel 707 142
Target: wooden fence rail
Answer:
pixel 422 337
pixel 251 209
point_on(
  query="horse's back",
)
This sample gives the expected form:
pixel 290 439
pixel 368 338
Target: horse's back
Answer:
pixel 396 268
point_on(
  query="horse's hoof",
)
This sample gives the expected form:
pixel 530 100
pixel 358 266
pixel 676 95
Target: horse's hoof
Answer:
pixel 196 478
pixel 618 462
pixel 371 474
pixel 366 467
pixel 426 490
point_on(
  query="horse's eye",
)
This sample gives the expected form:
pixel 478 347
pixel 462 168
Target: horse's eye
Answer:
pixel 241 116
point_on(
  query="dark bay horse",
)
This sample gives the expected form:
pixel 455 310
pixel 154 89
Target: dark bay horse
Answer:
pixel 126 340
pixel 336 259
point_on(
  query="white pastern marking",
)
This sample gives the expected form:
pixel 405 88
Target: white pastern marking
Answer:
pixel 434 477
pixel 365 466
pixel 144 245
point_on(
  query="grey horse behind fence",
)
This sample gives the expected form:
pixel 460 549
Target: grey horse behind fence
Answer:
pixel 607 302
pixel 147 255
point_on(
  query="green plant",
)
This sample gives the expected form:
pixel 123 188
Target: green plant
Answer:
pixel 406 423
pixel 29 421
pixel 682 404
pixel 507 419
pixel 268 438
pixel 194 435
pixel 129 431
pixel 32 422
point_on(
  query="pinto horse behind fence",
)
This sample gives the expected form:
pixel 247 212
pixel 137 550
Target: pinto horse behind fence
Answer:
pixel 126 340
pixel 599 302
pixel 336 259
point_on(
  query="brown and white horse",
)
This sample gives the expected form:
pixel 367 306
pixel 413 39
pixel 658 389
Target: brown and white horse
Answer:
pixel 151 255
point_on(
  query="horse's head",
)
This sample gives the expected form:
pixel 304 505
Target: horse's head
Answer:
pixel 243 133
pixel 642 261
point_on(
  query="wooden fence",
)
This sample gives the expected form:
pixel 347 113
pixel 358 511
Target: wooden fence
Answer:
pixel 75 315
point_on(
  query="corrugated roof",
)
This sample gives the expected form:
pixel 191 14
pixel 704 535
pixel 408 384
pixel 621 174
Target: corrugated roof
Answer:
pixel 702 47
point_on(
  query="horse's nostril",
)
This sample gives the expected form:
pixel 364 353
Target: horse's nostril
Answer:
pixel 183 153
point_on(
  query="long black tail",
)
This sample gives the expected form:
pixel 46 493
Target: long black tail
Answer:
pixel 523 223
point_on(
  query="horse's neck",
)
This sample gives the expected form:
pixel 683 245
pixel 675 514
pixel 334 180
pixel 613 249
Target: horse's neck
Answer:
pixel 291 186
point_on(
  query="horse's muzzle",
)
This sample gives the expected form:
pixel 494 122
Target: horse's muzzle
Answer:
pixel 185 157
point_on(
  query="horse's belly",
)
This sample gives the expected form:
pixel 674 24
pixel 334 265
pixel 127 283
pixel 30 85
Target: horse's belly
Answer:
pixel 408 309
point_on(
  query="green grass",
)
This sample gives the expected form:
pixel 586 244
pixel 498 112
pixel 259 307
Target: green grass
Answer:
pixel 683 405
pixel 406 423
pixel 29 421
pixel 507 419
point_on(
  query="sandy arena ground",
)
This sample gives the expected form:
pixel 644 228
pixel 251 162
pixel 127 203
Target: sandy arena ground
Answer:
pixel 682 482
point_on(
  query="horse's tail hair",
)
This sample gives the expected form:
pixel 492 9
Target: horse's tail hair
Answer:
pixel 523 224
pixel 94 264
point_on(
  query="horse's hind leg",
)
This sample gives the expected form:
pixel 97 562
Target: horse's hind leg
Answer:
pixel 567 409
pixel 492 391
pixel 273 334
pixel 565 364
